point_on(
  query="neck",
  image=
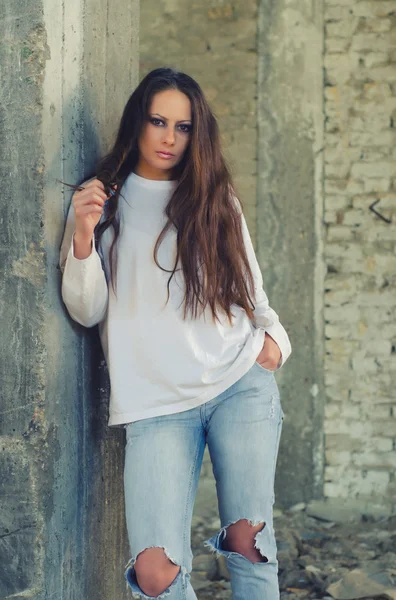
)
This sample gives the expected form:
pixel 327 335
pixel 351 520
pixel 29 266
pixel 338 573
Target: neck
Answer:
pixel 149 172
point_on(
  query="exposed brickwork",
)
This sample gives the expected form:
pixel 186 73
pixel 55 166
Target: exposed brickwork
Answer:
pixel 360 249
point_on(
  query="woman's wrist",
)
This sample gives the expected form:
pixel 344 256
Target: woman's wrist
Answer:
pixel 82 246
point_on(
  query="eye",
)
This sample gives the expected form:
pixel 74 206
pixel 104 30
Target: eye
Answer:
pixel 156 122
pixel 185 128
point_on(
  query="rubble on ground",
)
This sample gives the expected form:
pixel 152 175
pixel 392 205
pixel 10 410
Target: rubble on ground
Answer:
pixel 319 558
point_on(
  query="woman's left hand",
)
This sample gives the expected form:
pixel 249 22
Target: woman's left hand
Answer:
pixel 270 354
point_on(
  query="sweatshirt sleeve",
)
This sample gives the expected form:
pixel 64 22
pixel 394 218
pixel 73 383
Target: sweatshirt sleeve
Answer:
pixel 84 286
pixel 264 316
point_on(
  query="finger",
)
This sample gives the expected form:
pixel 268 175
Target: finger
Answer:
pixel 269 366
pixel 267 361
pixel 99 197
pixel 95 186
pixel 97 183
pixel 92 204
pixel 84 201
pixel 88 210
pixel 98 191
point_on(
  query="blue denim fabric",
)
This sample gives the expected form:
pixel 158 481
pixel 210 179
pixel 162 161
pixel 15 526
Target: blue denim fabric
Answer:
pixel 163 459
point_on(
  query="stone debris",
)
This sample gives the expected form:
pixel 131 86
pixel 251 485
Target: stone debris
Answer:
pixel 358 584
pixel 347 559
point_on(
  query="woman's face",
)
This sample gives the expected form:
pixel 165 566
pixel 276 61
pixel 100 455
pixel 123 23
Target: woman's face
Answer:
pixel 165 135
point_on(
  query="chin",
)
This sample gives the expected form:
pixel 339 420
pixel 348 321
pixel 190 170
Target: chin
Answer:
pixel 159 164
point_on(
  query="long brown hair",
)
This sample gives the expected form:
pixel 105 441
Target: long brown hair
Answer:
pixel 203 208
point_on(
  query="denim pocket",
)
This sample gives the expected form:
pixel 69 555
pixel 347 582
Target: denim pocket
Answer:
pixel 263 368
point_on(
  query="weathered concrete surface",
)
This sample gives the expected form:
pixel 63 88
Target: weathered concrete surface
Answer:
pixel 289 230
pixel 61 516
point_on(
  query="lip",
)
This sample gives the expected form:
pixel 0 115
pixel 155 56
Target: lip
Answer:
pixel 165 155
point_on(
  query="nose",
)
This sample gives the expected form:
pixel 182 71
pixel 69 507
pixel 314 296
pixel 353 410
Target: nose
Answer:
pixel 169 136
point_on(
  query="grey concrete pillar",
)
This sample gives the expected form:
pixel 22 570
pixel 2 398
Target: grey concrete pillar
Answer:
pixel 289 225
pixel 67 69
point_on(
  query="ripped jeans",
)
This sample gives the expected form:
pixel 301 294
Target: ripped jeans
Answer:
pixel 163 459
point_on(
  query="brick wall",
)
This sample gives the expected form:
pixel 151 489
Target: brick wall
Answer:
pixel 360 249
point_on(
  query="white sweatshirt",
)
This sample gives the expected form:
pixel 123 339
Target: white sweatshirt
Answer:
pixel 158 363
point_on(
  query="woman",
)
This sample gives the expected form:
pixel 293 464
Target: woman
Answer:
pixel 157 252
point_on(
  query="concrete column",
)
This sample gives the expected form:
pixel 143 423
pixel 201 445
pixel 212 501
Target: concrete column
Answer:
pixel 289 225
pixel 67 71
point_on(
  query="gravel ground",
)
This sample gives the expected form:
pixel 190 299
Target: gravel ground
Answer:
pixel 313 553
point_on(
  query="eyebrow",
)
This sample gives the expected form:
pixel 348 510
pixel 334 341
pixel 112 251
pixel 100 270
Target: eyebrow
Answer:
pixel 165 119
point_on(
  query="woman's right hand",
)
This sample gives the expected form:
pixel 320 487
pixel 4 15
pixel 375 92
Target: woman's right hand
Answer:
pixel 88 205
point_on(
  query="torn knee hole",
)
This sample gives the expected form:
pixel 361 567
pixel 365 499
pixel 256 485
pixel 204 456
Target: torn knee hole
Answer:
pixel 157 555
pixel 261 555
pixel 242 537
pixel 155 571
